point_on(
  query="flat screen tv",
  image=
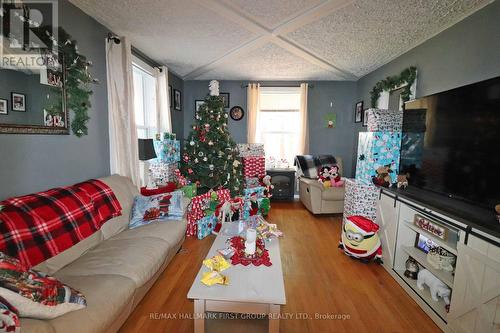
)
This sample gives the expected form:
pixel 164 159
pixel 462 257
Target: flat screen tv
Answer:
pixel 451 143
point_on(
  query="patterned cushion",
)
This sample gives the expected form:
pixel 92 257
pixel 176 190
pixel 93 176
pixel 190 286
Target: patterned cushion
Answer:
pixel 9 317
pixel 35 294
pixel 166 206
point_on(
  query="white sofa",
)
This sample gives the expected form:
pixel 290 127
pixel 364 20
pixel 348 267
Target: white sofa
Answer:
pixel 113 268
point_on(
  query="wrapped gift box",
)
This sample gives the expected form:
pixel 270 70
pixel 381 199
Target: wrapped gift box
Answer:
pixel 254 166
pixel 251 149
pixel 197 207
pixel 259 191
pixel 189 190
pixel 163 173
pixel 360 199
pixel 205 226
pixel 384 120
pixel 252 182
pixel 376 149
pixel 168 150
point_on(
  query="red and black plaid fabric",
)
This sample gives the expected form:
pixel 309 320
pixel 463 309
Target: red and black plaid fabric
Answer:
pixel 36 227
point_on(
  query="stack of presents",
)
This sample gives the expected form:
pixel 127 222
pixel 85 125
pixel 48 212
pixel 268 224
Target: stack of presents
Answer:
pixel 168 152
pixel 207 211
pixel 377 164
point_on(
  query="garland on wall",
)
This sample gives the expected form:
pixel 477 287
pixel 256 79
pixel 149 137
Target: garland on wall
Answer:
pixel 77 78
pixel 406 77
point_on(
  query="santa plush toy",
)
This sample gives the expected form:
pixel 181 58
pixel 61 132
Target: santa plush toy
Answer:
pixel 360 239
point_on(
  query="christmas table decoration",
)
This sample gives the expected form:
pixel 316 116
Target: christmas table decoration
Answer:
pixel 260 257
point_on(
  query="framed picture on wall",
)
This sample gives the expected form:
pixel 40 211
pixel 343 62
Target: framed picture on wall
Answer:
pixel 3 106
pixel 198 104
pixel 170 96
pixel 225 98
pixel 358 112
pixel 365 118
pixel 18 102
pixel 177 100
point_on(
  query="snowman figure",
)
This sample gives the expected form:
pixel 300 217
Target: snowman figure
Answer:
pixel 213 87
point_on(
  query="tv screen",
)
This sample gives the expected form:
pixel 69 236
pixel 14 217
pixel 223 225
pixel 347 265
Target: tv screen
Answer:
pixel 451 143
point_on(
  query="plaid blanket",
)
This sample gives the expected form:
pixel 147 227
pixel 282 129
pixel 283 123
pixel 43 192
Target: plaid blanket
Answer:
pixel 36 227
pixel 308 165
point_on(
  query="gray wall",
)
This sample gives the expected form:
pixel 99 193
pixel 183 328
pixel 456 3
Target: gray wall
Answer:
pixel 338 141
pixel 177 116
pixel 30 163
pixel 465 53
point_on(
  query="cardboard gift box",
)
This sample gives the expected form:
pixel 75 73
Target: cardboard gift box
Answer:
pixel 163 173
pixel 380 120
pixel 259 191
pixel 251 149
pixel 376 149
pixel 199 204
pixel 168 150
pixel 360 199
pixel 254 166
pixel 206 225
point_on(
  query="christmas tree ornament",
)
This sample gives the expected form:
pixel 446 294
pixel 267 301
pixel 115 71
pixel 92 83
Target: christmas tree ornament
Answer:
pixel 213 88
pixel 205 159
pixel 211 166
pixel 191 143
pixel 195 160
pixel 210 143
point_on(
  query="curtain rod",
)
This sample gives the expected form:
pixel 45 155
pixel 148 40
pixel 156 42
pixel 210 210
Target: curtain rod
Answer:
pixel 136 52
pixel 311 85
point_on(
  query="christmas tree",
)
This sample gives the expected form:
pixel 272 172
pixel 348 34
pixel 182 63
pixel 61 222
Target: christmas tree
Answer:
pixel 210 155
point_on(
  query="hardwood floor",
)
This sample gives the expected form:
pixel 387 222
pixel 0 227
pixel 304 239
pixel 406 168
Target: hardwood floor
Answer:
pixel 319 279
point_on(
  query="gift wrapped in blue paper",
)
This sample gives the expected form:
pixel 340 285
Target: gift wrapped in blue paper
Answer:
pixel 206 225
pixel 168 150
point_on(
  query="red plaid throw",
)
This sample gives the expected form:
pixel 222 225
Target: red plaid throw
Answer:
pixel 36 227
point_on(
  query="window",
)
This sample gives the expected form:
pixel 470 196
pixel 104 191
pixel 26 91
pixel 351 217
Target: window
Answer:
pixel 279 122
pixel 144 99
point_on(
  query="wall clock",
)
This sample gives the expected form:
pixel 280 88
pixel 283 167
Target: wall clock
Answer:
pixel 236 113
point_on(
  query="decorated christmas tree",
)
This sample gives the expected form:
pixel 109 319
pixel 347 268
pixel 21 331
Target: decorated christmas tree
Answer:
pixel 210 155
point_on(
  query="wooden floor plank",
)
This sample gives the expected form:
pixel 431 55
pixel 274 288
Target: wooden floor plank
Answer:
pixel 319 279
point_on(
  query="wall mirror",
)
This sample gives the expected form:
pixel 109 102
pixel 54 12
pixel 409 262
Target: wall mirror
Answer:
pixel 32 97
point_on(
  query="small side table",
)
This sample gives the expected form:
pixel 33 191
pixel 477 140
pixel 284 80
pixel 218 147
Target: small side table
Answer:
pixel 284 183
pixel 170 187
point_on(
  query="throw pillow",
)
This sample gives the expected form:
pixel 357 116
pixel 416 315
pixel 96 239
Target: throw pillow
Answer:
pixel 9 317
pixel 35 294
pixel 161 207
pixel 306 166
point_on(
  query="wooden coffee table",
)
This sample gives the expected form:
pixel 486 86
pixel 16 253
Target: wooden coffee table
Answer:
pixel 251 289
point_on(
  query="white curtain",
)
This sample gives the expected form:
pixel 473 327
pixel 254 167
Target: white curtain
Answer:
pixel 304 128
pixel 124 159
pixel 253 106
pixel 163 117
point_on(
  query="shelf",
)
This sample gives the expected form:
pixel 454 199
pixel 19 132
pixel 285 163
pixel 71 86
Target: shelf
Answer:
pixel 421 258
pixel 448 245
pixel 425 295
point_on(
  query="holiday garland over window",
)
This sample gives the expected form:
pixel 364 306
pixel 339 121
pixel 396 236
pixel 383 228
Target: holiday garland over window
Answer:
pixel 406 77
pixel 210 156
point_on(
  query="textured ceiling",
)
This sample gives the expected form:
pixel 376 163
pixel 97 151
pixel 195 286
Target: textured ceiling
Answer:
pixel 277 39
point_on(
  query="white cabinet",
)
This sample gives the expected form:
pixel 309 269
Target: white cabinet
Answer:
pixel 475 303
pixel 387 219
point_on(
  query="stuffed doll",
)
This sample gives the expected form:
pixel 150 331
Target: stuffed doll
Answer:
pixel 325 176
pixel 383 177
pixel 254 204
pixel 335 179
pixel 268 186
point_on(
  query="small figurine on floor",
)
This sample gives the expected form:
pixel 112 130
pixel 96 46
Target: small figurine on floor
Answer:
pixel 360 239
